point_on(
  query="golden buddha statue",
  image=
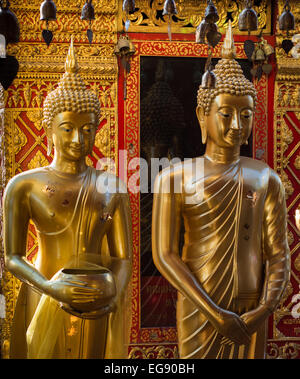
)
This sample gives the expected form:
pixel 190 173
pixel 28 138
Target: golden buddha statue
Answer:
pixel 80 226
pixel 235 262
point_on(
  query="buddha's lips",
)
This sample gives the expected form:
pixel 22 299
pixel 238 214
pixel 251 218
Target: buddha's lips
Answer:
pixel 76 148
pixel 234 133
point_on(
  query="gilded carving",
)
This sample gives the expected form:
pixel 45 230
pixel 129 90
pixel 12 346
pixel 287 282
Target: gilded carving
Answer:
pixel 297 162
pixel 158 352
pixel 290 238
pixel 38 160
pixel 20 140
pixel 297 263
pixel 148 15
pixel 286 162
pixel 288 186
pixel 96 60
pixel 287 137
pixel 289 350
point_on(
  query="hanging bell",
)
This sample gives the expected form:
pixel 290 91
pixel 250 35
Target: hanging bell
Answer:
pixel 169 7
pixel 201 32
pixel 213 36
pixel 2 46
pixel 248 18
pixel 123 46
pixel 88 11
pixel 260 55
pixel 9 24
pixel 211 14
pixel 287 19
pixel 208 80
pixel 48 10
pixel 268 50
pixel 170 10
pixel 128 6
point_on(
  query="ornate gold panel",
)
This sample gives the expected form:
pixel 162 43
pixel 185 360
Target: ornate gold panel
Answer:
pixel 285 327
pixel 148 16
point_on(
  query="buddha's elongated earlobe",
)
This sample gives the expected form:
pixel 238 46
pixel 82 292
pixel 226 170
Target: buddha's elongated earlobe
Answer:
pixel 49 141
pixel 200 116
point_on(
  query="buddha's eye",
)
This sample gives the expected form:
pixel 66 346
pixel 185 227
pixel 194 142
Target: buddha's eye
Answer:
pixel 246 114
pixel 66 129
pixel 87 128
pixel 224 113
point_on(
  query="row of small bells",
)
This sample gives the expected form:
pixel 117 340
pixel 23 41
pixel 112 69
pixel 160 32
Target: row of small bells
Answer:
pixel 259 53
pixel 207 31
pixel 48 13
pixel 9 25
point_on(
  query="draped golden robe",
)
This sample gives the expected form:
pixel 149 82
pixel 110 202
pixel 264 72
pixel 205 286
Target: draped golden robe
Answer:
pixel 235 246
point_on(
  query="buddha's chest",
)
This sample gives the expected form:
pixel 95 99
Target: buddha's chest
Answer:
pixel 57 205
pixel 222 199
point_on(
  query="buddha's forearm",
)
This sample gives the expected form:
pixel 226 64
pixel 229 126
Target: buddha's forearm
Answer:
pixel 179 275
pixel 26 272
pixel 276 248
pixel 276 279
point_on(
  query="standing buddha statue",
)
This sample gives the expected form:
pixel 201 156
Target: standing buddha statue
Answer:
pixel 80 225
pixel 235 264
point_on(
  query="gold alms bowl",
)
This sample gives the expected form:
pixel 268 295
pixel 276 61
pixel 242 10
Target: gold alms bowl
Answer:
pixel 100 278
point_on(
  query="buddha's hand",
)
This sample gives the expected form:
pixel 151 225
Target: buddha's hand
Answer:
pixel 72 292
pixel 232 327
pixel 93 315
pixel 255 318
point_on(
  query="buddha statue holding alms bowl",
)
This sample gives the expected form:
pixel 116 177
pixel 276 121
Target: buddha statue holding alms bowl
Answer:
pixel 235 263
pixel 72 300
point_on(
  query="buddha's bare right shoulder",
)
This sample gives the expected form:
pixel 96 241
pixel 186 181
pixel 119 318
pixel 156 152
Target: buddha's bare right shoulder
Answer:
pixel 24 181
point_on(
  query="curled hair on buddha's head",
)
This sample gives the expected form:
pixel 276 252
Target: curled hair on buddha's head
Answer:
pixel 71 95
pixel 229 77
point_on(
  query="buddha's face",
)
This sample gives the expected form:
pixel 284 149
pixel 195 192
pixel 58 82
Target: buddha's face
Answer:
pixel 229 122
pixel 73 134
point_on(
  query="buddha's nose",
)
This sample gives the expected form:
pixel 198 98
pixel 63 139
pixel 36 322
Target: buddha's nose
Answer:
pixel 76 136
pixel 236 124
